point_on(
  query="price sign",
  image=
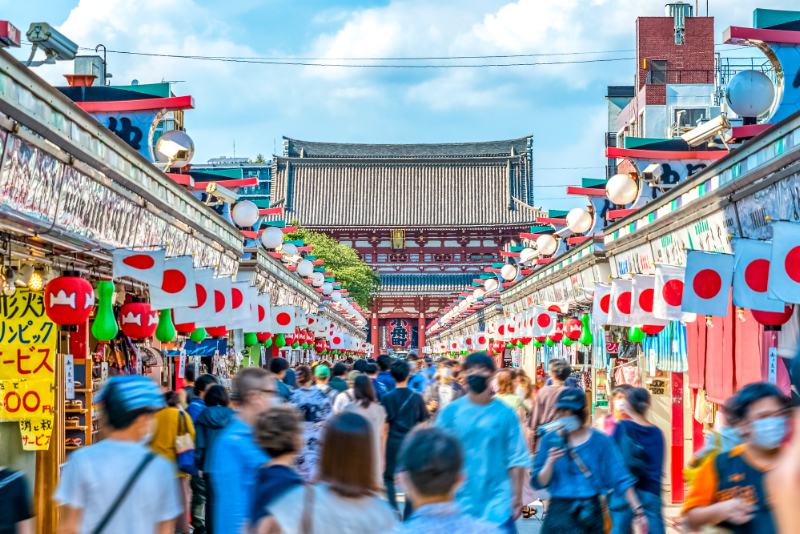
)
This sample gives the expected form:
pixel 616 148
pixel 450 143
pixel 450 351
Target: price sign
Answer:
pixel 658 386
pixel 69 374
pixel 652 361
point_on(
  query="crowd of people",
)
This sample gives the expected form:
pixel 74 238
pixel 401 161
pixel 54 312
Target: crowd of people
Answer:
pixel 410 446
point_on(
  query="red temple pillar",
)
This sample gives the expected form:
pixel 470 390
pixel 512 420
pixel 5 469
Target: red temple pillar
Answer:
pixel 676 443
pixel 374 333
pixel 421 333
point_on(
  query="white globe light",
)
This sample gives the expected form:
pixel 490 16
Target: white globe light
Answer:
pixel 317 279
pixel 288 249
pixel 336 296
pixel 508 272
pixel 327 288
pixel 174 147
pixel 546 244
pixel 579 220
pixel 479 293
pixel 621 189
pixel 490 284
pixel 245 214
pixel 527 254
pixel 272 237
pixel 471 299
pixel 750 93
pixel 305 268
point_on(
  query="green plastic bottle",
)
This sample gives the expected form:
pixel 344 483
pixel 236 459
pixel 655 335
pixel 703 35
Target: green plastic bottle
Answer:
pixel 105 328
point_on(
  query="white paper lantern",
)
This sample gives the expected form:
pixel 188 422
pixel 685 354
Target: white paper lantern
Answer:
pixel 272 237
pixel 546 244
pixel 245 214
pixel 490 284
pixel 471 299
pixel 317 279
pixel 327 288
pixel 750 93
pixel 305 268
pixel 527 254
pixel 579 220
pixel 336 296
pixel 621 189
pixel 479 293
pixel 508 272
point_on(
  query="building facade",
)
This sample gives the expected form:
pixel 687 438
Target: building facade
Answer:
pixel 244 168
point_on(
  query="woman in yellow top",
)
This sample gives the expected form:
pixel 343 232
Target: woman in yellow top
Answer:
pixel 163 443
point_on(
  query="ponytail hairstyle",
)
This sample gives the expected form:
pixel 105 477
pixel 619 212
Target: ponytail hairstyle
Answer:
pixel 638 400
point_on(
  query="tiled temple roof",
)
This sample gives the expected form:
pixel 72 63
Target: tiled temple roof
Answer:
pixel 293 148
pixel 422 283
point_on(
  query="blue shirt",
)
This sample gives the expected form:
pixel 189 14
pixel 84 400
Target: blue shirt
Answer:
pixel 385 378
pixel 429 373
pixel 235 459
pixel 195 408
pixel 601 458
pixel 445 518
pixel 491 436
pixel 652 442
pixel 416 383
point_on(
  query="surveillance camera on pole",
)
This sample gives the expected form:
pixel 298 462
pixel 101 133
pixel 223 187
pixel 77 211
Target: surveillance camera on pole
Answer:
pixel 56 47
pixel 708 132
pixel 222 194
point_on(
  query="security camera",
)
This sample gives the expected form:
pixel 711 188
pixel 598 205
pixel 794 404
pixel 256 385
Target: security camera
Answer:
pixel 222 194
pixel 55 46
pixel 708 132
pixel 175 146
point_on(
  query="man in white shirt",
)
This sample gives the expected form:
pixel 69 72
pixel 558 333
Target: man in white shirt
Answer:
pixel 98 485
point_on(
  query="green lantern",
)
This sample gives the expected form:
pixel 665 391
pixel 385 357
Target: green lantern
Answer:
pixel 105 328
pixel 566 341
pixel 198 335
pixel 280 341
pixel 586 338
pixel 635 334
pixel 165 331
pixel 295 345
pixel 550 343
pixel 268 343
pixel 250 339
pixel 537 343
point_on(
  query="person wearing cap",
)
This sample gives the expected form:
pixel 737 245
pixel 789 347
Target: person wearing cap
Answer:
pixel 579 465
pixel 98 481
pixel 322 374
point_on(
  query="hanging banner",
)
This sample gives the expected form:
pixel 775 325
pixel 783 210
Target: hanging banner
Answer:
pixel 399 333
pixel 27 363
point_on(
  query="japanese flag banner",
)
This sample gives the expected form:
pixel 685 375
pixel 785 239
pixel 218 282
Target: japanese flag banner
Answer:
pixel 204 294
pixel 668 294
pixel 468 341
pixel 707 285
pixel 243 314
pixel 300 320
pixel 620 304
pixel 544 322
pixel 222 304
pixel 282 319
pixel 643 297
pixel 491 328
pixel 784 267
pixel 315 323
pixel 481 341
pixel 454 345
pixel 146 266
pixel 339 341
pixel 501 329
pixel 263 314
pixel 177 285
pixel 751 262
pixel 511 326
pixel 601 303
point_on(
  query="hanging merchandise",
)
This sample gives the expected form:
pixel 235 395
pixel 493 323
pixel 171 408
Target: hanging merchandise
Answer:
pixel 751 276
pixel 165 331
pixel 204 292
pixel 601 303
pixel 250 339
pixel 707 286
pixel 586 335
pixel 668 294
pixel 784 267
pixel 137 319
pixel 68 300
pixel 635 334
pixel 619 312
pixel 144 266
pixel 643 296
pixel 177 287
pixel 198 335
pixel 105 328
pixel 282 318
pixel 217 331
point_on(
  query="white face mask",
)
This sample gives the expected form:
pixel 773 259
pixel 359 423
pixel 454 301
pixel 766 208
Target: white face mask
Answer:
pixel 446 372
pixel 620 405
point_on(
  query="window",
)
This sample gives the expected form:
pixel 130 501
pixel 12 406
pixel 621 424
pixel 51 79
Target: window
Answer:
pixel 658 72
pixel 398 239
pixel 688 117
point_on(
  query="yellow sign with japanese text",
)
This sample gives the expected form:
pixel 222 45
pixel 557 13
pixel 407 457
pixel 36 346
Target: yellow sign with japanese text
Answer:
pixel 27 367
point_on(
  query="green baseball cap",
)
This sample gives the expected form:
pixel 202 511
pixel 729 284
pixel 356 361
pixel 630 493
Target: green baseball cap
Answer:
pixel 322 371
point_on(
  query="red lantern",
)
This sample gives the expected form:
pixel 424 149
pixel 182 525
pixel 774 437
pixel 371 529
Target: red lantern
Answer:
pixel 651 330
pixel 309 337
pixel 498 346
pixel 183 328
pixel 138 320
pixel 541 339
pixel 772 321
pixel 68 299
pixel 319 346
pixel 217 331
pixel 559 333
pixel 290 338
pixel 263 337
pixel 572 329
pixel 526 340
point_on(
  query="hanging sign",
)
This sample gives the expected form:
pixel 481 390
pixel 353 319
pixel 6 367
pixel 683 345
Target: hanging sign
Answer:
pixel 27 360
pixel 182 365
pixel 399 333
pixel 69 374
pixel 773 365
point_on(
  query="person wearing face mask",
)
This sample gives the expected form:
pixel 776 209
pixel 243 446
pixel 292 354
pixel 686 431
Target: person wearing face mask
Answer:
pixel 444 389
pixel 618 408
pixel 544 406
pixel 497 456
pixel 416 380
pixel 579 465
pixel 729 491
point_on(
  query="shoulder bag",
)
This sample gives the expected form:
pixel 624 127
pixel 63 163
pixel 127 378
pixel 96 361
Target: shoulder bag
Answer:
pixel 586 511
pixel 122 494
pixel 184 446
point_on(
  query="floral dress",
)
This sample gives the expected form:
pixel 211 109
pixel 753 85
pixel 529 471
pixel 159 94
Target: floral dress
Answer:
pixel 316 408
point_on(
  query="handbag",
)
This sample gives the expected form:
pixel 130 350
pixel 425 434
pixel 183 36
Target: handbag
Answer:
pixel 122 494
pixel 588 509
pixel 184 446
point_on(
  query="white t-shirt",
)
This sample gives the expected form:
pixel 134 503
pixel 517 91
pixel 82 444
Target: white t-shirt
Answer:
pixel 376 415
pixel 93 478
pixel 333 514
pixel 342 400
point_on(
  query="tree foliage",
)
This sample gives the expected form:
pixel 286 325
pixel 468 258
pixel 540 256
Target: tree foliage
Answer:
pixel 259 158
pixel 356 277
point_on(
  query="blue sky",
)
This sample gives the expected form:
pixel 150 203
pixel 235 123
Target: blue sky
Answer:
pixel 563 106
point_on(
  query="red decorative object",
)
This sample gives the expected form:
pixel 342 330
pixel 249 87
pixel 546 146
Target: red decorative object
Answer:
pixel 771 320
pixel 263 337
pixel 399 333
pixel 498 346
pixel 541 339
pixel 559 333
pixel 652 330
pixel 572 329
pixel 217 331
pixel 319 345
pixel 184 328
pixel 138 320
pixel 68 299
pixel 526 340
